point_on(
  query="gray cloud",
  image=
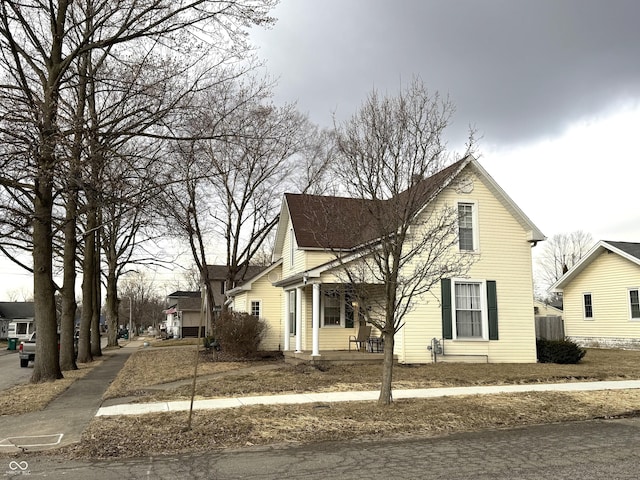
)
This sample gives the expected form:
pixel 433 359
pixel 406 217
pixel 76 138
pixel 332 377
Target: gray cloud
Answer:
pixel 518 70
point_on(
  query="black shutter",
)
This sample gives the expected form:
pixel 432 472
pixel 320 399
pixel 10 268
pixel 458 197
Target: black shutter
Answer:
pixel 445 287
pixel 348 311
pixel 492 309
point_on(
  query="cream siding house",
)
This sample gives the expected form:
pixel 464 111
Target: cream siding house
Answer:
pixel 257 296
pixel 601 296
pixel 497 293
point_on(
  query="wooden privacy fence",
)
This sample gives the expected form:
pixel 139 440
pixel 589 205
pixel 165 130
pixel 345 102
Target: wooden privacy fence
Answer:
pixel 550 327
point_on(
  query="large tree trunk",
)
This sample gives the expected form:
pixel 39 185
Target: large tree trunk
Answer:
pixel 88 288
pixel 47 366
pixel 69 306
pixel 112 306
pixel 96 347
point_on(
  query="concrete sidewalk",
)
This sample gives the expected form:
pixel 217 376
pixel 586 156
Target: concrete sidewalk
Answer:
pixel 370 395
pixel 65 418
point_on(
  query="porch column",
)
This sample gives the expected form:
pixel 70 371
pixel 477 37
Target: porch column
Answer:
pixel 287 321
pixel 299 293
pixel 316 320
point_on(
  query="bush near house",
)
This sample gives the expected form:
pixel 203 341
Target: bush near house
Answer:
pixel 559 351
pixel 239 334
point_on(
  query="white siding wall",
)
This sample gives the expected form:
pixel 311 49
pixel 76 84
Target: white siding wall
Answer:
pixel 504 256
pixel 608 278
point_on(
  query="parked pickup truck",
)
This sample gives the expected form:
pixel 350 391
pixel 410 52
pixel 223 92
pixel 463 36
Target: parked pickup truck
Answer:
pixel 27 349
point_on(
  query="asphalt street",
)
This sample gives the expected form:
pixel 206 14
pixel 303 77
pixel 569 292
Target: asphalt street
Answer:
pixel 12 374
pixel 587 450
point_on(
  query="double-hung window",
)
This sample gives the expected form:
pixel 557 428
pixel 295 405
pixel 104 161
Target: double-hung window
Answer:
pixel 469 309
pixel 332 312
pixel 255 308
pixel 588 306
pixel 469 315
pixel 634 304
pixel 467 237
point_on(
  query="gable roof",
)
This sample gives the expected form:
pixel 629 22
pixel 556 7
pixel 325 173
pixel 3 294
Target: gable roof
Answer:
pixel 342 223
pixel 183 294
pixel 12 310
pixel 219 272
pixel 627 250
pixel 246 285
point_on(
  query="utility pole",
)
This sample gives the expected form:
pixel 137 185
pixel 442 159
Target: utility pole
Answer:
pixel 130 317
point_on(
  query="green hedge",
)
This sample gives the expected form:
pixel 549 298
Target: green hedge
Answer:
pixel 559 351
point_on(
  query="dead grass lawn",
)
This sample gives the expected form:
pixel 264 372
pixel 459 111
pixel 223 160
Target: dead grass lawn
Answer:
pixel 154 366
pixel 597 365
pixel 157 434
pixel 112 437
pixel 34 397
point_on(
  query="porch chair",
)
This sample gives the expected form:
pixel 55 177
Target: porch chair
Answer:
pixel 361 339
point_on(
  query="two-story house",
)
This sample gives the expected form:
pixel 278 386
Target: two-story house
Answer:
pixel 487 315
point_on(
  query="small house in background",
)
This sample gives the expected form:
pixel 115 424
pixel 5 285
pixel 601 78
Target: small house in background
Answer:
pixel 601 296
pixel 218 277
pixel 258 297
pixel 183 315
pixel 19 316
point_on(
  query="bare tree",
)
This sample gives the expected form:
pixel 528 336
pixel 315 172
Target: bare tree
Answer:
pixel 144 305
pixel 226 184
pixel 561 252
pixel 40 41
pixel 390 155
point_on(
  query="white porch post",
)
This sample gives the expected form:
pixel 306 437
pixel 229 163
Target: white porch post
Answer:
pixel 316 320
pixel 287 321
pixel 299 292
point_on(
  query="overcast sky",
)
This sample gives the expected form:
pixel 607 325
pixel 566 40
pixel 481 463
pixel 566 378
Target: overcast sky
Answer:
pixel 552 86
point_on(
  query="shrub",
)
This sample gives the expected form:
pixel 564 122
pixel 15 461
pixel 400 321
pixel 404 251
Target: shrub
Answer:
pixel 559 351
pixel 239 334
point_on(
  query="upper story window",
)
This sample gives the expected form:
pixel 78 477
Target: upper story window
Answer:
pixel 466 227
pixel 588 306
pixel 634 304
pixel 291 246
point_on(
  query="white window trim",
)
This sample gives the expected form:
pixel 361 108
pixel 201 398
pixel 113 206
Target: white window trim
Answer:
pixel 259 302
pixel 584 307
pixel 292 246
pixel 629 290
pixel 291 313
pixel 484 310
pixel 322 305
pixel 475 226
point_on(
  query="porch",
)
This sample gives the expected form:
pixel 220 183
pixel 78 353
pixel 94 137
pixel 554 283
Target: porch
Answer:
pixel 335 357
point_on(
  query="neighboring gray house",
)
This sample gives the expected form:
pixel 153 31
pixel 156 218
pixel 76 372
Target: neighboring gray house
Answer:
pixel 12 311
pixel 183 314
